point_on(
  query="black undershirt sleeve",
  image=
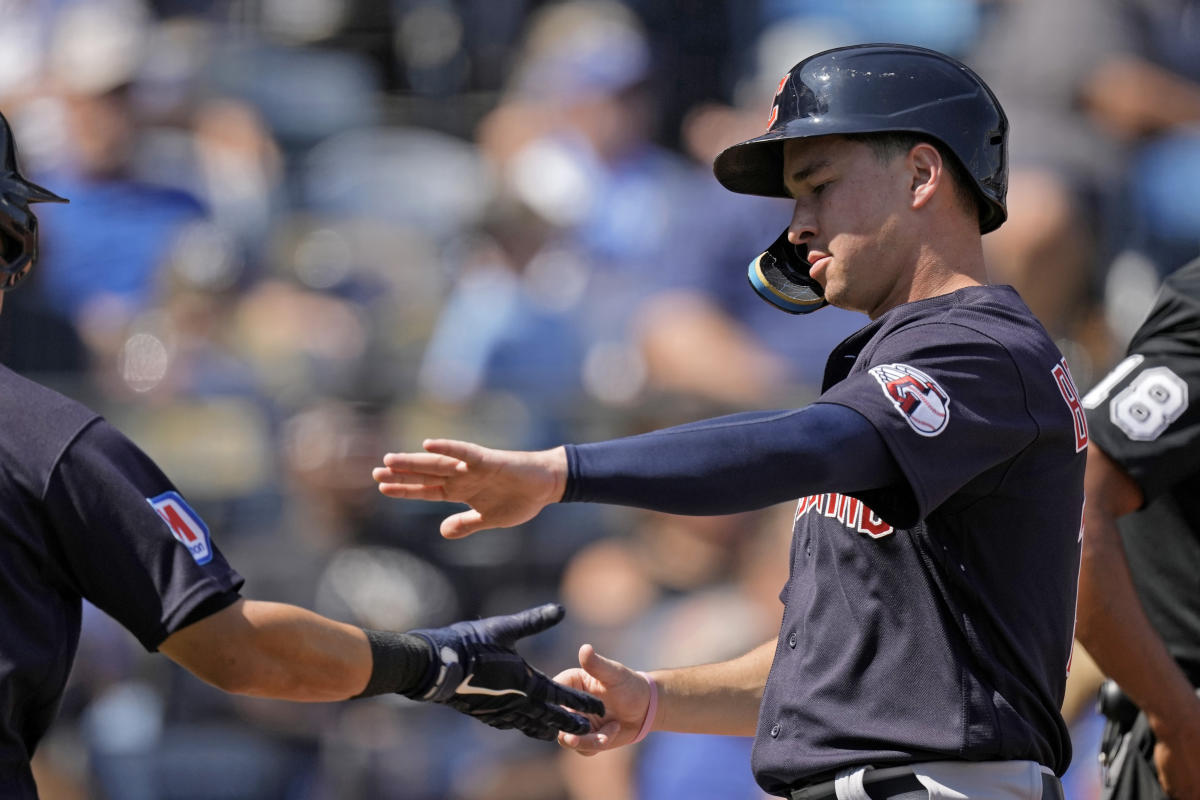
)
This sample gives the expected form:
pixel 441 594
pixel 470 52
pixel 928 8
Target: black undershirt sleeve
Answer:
pixel 735 463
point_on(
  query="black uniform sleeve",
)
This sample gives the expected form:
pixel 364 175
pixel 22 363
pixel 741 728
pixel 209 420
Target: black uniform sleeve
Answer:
pixel 1145 414
pixel 734 463
pixel 1147 419
pixel 127 541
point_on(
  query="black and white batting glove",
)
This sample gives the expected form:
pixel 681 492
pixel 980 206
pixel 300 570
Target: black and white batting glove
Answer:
pixel 476 670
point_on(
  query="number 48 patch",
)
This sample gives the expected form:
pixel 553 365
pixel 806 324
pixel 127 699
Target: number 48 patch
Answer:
pixel 1149 404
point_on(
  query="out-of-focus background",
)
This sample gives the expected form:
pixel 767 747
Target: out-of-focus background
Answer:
pixel 303 233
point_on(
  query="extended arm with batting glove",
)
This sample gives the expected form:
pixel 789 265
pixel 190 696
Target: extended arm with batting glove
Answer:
pixel 474 668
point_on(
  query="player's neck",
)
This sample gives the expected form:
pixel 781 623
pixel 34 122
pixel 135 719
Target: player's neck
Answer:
pixel 948 263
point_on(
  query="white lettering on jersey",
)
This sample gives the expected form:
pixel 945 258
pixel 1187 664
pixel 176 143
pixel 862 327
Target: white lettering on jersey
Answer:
pixel 185 525
pixel 852 513
pixel 1147 406
pixel 923 403
pixel 1099 392
pixel 1066 387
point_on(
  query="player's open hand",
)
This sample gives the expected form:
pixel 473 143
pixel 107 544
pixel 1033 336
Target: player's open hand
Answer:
pixel 502 487
pixel 626 697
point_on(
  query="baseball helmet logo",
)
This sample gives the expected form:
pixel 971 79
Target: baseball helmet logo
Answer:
pixel 924 404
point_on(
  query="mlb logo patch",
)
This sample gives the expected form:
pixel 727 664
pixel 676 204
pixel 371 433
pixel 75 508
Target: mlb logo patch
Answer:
pixel 918 397
pixel 185 524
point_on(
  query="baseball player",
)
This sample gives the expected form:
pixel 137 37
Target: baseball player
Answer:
pixel 85 514
pixel 1143 517
pixel 928 616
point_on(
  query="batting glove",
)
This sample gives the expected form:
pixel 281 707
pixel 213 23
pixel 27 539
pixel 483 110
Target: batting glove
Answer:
pixel 479 673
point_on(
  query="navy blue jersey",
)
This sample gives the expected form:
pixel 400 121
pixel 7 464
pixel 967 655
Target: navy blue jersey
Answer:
pixel 83 514
pixel 1145 415
pixel 934 620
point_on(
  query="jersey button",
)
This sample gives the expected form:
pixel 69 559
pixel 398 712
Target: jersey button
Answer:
pixel 775 731
pixel 792 640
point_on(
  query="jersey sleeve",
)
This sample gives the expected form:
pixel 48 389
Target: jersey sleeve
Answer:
pixel 950 405
pixel 128 542
pixel 1145 415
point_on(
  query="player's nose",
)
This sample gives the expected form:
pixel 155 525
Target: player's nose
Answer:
pixel 803 226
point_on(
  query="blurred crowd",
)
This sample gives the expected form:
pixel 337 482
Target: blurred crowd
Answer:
pixel 303 233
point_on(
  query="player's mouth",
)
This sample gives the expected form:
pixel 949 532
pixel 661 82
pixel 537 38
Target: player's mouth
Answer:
pixel 817 264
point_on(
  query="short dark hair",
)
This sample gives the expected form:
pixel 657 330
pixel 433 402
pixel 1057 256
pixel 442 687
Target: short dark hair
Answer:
pixel 888 144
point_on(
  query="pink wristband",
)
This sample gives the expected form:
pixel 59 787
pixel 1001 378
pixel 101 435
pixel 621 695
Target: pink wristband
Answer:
pixel 648 722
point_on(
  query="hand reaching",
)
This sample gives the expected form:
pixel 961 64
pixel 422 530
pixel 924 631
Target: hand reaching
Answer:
pixel 480 674
pixel 626 696
pixel 503 487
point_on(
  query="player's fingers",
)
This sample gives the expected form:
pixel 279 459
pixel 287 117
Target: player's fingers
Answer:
pixel 604 670
pixel 464 523
pixel 575 678
pixel 528 622
pixel 466 452
pixel 389 475
pixel 564 720
pixel 589 744
pixel 572 698
pixel 412 491
pixel 422 463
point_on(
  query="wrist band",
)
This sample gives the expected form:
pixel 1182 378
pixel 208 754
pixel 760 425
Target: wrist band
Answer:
pixel 648 722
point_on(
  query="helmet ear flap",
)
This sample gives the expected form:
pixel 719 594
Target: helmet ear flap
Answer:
pixel 18 251
pixel 780 276
pixel 18 225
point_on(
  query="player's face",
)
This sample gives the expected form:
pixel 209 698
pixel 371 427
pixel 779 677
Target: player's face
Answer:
pixel 848 211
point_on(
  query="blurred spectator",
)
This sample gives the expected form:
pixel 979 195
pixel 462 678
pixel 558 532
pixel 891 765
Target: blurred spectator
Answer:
pixel 1101 97
pixel 103 258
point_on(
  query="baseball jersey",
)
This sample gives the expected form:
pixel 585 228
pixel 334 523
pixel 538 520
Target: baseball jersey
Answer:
pixel 83 514
pixel 934 620
pixel 1146 417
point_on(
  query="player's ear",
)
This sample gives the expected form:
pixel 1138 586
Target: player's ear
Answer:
pixel 927 172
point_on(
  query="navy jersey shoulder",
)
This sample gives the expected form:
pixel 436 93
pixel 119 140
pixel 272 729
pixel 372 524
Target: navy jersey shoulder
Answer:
pixel 83 514
pixel 979 546
pixel 1145 415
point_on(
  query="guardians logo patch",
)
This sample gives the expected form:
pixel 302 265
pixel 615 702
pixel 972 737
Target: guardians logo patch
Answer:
pixel 924 404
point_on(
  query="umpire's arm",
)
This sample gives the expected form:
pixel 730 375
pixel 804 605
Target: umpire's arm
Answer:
pixel 1113 626
pixel 274 650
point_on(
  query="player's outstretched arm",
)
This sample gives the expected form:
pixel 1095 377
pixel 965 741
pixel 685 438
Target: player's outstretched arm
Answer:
pixel 286 652
pixel 718 698
pixel 1113 626
pixel 503 487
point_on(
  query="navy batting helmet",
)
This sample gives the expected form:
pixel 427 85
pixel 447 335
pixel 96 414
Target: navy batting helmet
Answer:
pixel 18 225
pixel 869 88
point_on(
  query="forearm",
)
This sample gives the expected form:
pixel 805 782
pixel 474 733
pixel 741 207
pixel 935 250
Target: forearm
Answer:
pixel 720 698
pixel 735 463
pixel 1114 628
pixel 275 650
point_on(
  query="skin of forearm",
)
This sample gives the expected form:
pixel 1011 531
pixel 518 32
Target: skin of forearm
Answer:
pixel 274 650
pixel 1115 630
pixel 1112 624
pixel 720 698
